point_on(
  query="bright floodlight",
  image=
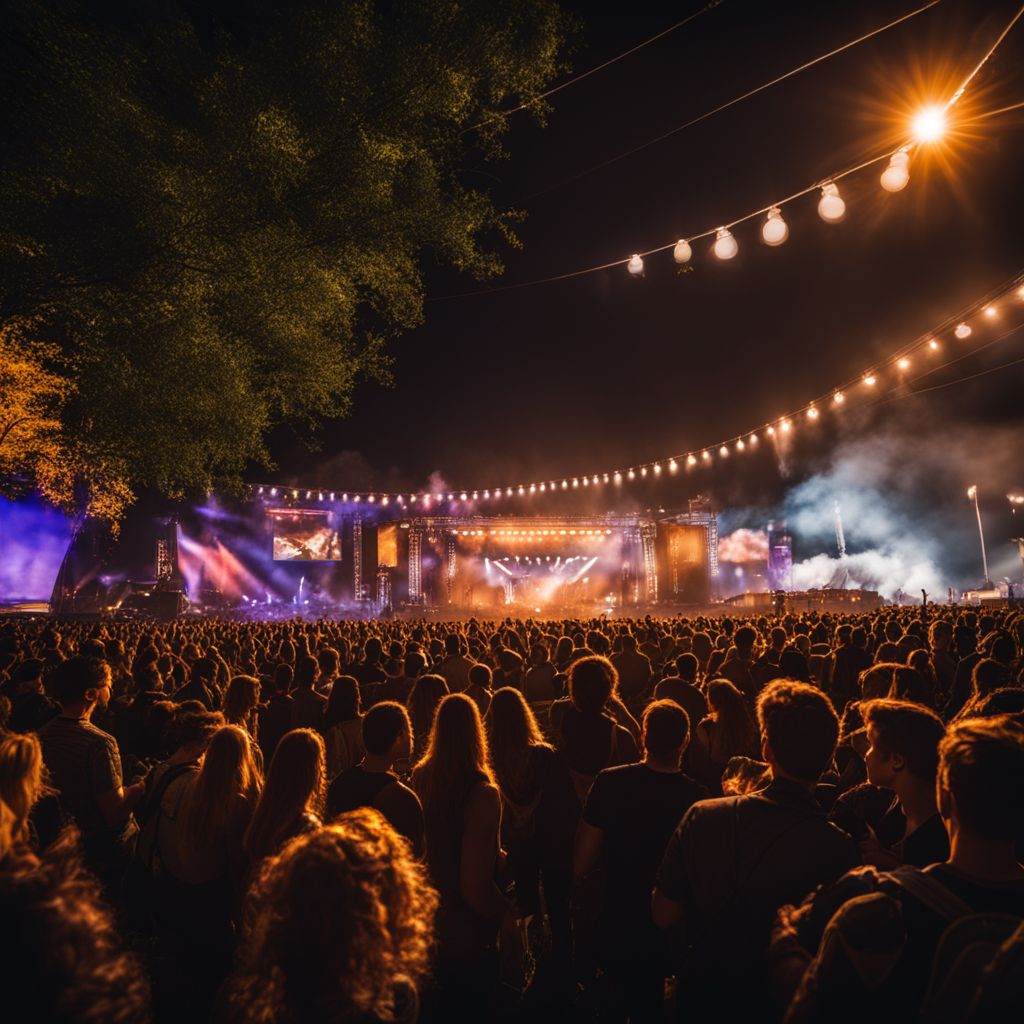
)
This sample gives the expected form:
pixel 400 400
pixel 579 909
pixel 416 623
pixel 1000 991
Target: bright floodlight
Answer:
pixel 929 124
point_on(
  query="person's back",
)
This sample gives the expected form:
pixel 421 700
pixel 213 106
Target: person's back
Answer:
pixel 387 738
pixel 905 945
pixel 734 860
pixel 275 717
pixel 634 669
pixel 455 667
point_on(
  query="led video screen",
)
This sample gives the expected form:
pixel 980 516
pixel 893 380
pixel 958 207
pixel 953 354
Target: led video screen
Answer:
pixel 307 537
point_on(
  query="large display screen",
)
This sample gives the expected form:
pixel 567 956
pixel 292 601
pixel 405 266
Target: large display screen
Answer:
pixel 305 537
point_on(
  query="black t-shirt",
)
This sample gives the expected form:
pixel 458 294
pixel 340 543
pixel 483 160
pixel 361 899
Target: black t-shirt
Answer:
pixel 637 810
pixel 927 844
pixel 356 787
pixel 734 861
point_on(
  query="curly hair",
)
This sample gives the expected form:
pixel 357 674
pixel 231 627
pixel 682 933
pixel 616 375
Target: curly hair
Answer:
pixel 60 952
pixel 338 922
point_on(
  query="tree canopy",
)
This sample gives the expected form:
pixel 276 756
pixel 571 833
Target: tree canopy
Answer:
pixel 218 213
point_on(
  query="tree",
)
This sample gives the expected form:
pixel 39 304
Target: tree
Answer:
pixel 34 447
pixel 220 212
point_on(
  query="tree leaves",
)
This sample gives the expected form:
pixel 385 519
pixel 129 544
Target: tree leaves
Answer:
pixel 221 212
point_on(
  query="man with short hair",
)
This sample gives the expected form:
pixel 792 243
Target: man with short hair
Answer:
pixel 733 861
pixel 201 685
pixel 85 766
pixel 480 687
pixel 865 948
pixel 455 667
pixel 628 818
pixel 387 737
pixel 738 667
pixel 307 705
pixel 903 755
pixel 634 669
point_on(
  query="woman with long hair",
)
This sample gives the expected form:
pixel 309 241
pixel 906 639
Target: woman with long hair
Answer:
pixel 728 731
pixel 342 726
pixel 424 697
pixel 340 930
pixel 462 815
pixel 22 784
pixel 538 812
pixel 292 801
pixel 241 699
pixel 203 864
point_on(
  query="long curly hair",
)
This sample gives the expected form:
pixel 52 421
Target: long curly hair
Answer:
pixel 61 957
pixel 338 922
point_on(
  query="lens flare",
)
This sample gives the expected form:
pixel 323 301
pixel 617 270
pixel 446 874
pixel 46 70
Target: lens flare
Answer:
pixel 929 124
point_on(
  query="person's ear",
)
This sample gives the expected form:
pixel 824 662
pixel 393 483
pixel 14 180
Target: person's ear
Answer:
pixel 898 762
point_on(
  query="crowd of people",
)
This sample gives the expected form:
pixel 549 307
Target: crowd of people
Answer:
pixel 793 818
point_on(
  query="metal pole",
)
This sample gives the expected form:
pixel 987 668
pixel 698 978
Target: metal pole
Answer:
pixel 973 492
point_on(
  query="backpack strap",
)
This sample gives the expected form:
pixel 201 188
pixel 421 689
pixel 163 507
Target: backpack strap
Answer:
pixel 927 889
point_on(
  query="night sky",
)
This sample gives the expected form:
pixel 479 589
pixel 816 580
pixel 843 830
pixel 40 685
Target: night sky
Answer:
pixel 678 359
pixel 604 370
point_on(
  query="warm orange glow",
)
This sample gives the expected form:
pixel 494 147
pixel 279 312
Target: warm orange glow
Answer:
pixel 903 363
pixel 929 124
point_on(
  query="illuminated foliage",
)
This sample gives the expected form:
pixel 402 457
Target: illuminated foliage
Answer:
pixel 221 211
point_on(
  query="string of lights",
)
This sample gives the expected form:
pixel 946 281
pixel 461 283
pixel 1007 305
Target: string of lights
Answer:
pixel 897 368
pixel 927 127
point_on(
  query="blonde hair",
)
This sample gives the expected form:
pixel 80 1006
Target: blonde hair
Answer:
pixel 296 784
pixel 21 780
pixel 229 773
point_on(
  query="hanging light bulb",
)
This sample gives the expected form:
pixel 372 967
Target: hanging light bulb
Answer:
pixel 631 474
pixel 770 431
pixel 643 471
pixel 785 426
pixel 682 252
pixel 812 413
pixel 635 265
pixel 903 363
pixel 831 207
pixel 895 177
pixel 724 452
pixel 691 460
pixel 753 438
pixel 869 379
pixel 672 466
pixel 963 331
pixel 740 445
pixel 706 455
pixel 725 246
pixel 991 312
pixel 775 230
pixel 839 398
pixel 933 345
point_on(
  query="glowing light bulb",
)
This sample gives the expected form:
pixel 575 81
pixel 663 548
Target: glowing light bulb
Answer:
pixel 775 230
pixel 812 413
pixel 839 398
pixel 897 174
pixel 706 455
pixel 657 468
pixel 631 475
pixel 785 426
pixel 991 312
pixel 933 345
pixel 929 124
pixel 691 460
pixel 753 438
pixel 673 466
pixel 724 452
pixel 533 488
pixel 963 331
pixel 740 445
pixel 575 482
pixel 543 487
pixel 869 379
pixel 770 431
pixel 1020 293
pixel 682 252
pixel 725 246
pixel 618 477
pixel 831 207
pixel 903 363
pixel 565 485
pixel 643 471
pixel 635 265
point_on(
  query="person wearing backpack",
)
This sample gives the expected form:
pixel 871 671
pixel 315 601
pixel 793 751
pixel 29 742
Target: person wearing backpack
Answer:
pixel 939 944
pixel 733 861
